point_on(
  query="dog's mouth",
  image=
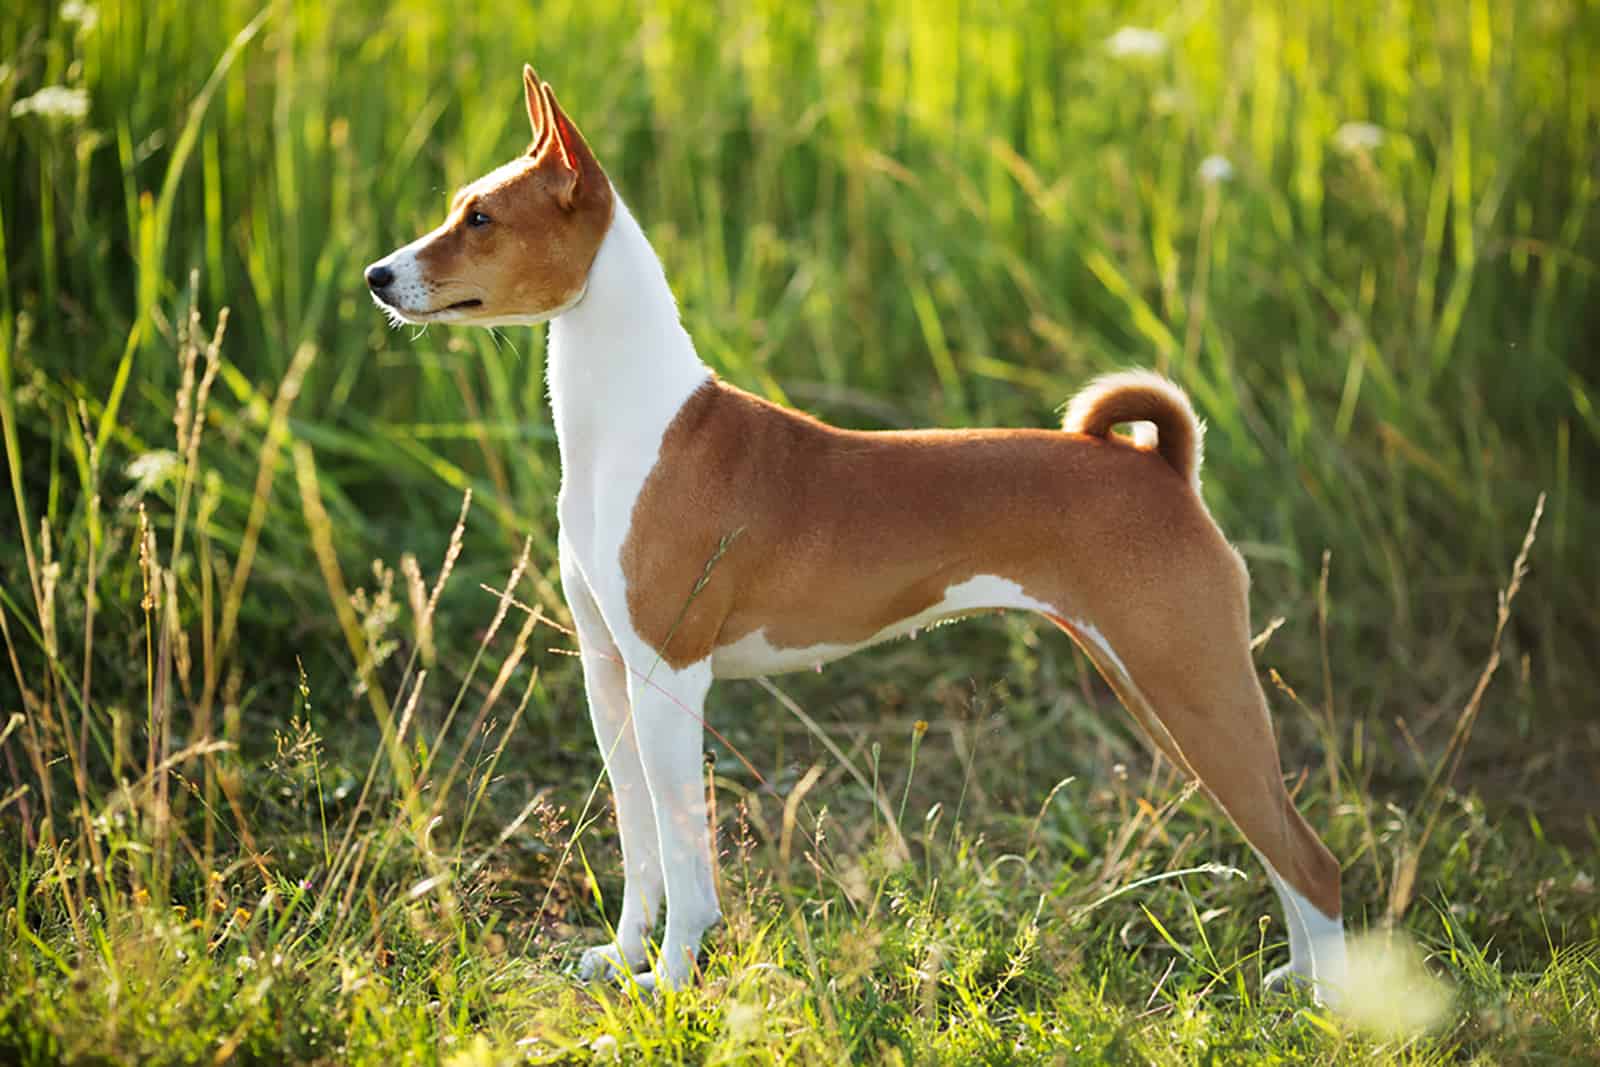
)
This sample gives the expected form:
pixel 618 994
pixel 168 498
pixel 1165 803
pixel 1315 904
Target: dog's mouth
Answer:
pixel 400 313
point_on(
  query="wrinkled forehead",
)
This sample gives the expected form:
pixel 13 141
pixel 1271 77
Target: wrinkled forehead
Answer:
pixel 502 177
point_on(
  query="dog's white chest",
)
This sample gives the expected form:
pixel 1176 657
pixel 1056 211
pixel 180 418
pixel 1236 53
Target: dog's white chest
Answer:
pixel 610 419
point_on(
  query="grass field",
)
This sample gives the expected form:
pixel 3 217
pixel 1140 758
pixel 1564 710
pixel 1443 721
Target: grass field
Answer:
pixel 295 760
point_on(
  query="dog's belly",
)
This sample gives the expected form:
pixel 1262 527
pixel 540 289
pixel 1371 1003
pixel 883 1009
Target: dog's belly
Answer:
pixel 753 656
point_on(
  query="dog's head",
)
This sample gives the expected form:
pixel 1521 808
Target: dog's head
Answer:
pixel 518 243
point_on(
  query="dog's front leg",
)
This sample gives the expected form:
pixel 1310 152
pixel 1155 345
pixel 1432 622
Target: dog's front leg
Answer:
pixel 668 720
pixel 605 681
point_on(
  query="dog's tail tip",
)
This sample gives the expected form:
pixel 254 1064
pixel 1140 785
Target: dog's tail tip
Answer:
pixel 1141 397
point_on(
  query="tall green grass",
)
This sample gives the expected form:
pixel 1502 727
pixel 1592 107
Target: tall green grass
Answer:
pixel 249 813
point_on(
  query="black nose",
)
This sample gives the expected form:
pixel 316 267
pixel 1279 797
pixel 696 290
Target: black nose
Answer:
pixel 379 276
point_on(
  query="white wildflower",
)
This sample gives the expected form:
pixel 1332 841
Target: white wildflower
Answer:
pixel 87 16
pixel 1215 168
pixel 150 470
pixel 1355 137
pixel 1169 101
pixel 743 1021
pixel 1132 42
pixel 1389 991
pixel 53 102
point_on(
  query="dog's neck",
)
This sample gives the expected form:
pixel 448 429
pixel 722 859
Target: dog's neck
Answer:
pixel 620 363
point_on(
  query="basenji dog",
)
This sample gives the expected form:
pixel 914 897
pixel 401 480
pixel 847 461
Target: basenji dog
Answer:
pixel 706 533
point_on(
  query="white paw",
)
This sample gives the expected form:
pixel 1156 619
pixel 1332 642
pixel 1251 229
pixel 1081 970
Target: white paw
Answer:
pixel 659 978
pixel 1282 979
pixel 1286 978
pixel 606 962
pixel 651 981
pixel 672 970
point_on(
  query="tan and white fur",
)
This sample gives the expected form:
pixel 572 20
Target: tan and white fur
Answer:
pixel 706 533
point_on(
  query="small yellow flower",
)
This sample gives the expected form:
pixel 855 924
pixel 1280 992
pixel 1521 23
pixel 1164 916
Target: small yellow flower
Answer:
pixel 141 897
pixel 241 915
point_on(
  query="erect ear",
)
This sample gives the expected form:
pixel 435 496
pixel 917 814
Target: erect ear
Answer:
pixel 538 118
pixel 571 154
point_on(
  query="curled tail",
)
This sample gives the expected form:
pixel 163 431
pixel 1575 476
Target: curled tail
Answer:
pixel 1142 396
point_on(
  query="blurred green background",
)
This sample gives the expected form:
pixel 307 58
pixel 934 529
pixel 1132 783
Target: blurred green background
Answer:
pixel 1361 235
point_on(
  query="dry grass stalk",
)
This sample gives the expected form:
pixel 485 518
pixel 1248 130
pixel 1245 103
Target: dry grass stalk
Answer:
pixel 1403 887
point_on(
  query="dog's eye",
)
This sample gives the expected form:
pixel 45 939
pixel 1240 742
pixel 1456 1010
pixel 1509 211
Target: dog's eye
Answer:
pixel 477 218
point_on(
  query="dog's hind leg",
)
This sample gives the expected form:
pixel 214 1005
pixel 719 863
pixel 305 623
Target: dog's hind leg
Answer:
pixel 1192 685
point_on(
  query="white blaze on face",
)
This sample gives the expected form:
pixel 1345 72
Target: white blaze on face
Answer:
pixel 408 295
